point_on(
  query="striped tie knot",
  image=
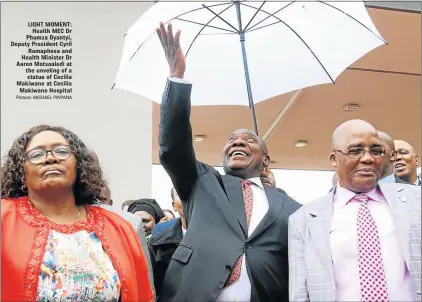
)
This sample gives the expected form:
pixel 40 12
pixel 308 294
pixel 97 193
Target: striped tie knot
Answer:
pixel 362 198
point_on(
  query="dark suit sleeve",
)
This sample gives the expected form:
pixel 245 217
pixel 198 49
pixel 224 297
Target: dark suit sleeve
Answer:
pixel 152 255
pixel 177 155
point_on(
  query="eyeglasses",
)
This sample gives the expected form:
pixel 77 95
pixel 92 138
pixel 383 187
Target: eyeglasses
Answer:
pixel 358 152
pixel 37 156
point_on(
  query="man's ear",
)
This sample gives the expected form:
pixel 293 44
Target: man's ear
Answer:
pixel 333 159
pixel 417 159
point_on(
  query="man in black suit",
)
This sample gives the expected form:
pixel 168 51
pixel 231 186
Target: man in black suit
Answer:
pixel 235 248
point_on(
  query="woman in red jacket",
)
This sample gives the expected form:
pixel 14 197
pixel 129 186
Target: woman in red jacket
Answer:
pixel 56 243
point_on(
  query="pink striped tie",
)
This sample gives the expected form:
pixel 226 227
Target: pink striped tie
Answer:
pixel 248 200
pixel 373 286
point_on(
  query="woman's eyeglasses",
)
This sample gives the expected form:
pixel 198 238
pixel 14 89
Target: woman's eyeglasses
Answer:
pixel 37 156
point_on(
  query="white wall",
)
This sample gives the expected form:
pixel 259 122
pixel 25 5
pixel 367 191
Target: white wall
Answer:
pixel 116 124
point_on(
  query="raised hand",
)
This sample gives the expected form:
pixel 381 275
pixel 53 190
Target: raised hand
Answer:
pixel 172 50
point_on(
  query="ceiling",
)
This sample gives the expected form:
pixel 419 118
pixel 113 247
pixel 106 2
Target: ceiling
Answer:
pixel 386 84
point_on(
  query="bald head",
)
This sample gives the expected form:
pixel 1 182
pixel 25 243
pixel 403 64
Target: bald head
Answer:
pixel 386 139
pixel 357 171
pixel 348 128
pixel 400 144
pixel 388 144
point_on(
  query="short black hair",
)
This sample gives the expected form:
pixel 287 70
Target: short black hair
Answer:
pixel 148 205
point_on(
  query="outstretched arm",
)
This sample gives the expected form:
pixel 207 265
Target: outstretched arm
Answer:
pixel 175 133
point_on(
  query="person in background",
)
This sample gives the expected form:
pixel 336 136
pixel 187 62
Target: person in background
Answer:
pixel 267 178
pixel 126 204
pixel 168 215
pixel 52 232
pixel 163 245
pixel 105 197
pixel 149 211
pixel 406 163
pixel 387 175
pixel 162 226
pixel 362 241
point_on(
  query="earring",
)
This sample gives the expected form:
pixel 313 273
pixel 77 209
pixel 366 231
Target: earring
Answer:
pixel 24 188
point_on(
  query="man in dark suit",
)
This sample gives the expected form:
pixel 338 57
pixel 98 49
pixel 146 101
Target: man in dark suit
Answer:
pixel 166 225
pixel 236 245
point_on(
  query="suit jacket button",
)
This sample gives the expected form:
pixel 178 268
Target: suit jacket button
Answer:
pixel 248 246
pixel 228 268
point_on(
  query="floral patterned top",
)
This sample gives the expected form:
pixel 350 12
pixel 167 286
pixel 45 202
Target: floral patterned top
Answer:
pixel 76 268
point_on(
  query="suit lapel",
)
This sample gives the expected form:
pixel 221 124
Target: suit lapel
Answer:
pixel 275 205
pixel 235 196
pixel 398 205
pixel 407 224
pixel 319 228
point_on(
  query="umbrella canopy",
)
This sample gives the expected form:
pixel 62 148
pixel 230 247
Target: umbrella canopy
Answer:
pixel 289 45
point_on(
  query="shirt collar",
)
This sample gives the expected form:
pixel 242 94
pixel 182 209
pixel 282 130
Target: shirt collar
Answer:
pixel 257 181
pixel 343 196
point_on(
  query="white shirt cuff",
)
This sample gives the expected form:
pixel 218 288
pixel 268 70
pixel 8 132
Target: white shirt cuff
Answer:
pixel 178 80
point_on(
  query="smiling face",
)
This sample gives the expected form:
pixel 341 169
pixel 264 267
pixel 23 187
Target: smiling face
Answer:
pixel 51 173
pixel 359 175
pixel 406 161
pixel 245 155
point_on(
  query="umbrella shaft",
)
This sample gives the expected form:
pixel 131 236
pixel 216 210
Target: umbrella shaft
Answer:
pixel 245 66
pixel 248 84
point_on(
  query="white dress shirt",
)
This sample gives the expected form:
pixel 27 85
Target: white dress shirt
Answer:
pixel 344 248
pixel 240 290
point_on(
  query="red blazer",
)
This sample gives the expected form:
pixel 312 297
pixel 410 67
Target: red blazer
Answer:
pixel 24 236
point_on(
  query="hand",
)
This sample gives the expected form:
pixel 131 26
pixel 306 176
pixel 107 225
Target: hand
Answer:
pixel 172 50
pixel 265 180
pixel 267 177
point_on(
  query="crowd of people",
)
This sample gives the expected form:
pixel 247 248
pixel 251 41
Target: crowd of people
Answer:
pixel 237 237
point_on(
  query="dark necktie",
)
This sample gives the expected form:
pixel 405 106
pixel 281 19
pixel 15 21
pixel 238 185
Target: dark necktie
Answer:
pixel 248 200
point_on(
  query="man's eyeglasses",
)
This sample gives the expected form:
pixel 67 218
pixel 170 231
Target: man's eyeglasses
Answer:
pixel 358 152
pixel 37 156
